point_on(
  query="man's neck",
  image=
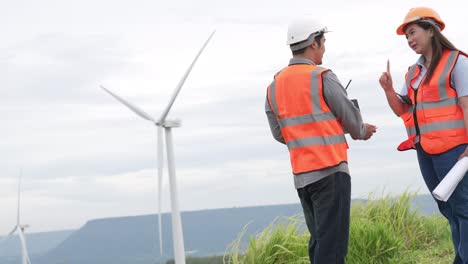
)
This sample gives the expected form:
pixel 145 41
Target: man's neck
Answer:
pixel 302 56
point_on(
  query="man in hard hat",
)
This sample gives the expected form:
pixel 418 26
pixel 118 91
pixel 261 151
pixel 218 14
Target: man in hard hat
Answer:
pixel 308 110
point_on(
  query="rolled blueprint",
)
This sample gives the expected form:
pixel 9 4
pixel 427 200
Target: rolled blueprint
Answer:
pixel 444 190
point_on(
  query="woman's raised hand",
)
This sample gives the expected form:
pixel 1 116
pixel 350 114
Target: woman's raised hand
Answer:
pixel 386 79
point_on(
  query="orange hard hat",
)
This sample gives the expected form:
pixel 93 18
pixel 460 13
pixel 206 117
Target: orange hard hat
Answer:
pixel 421 14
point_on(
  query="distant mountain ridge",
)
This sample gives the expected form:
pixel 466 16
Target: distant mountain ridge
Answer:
pixel 38 244
pixel 134 239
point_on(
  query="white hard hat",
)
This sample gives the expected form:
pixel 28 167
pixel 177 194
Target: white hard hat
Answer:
pixel 301 29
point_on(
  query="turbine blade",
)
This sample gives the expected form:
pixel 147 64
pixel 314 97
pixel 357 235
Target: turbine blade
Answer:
pixel 160 178
pixel 182 81
pixel 132 107
pixel 24 249
pixel 8 235
pixel 12 231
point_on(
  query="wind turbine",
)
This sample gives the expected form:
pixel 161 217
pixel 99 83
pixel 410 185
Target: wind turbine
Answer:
pixel 24 251
pixel 167 125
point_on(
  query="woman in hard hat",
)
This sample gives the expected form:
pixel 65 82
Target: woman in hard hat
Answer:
pixel 434 107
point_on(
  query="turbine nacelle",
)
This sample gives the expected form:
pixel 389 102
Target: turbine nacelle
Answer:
pixel 170 123
pixel 22 227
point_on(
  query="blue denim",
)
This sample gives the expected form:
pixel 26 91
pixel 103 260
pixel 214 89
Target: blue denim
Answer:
pixel 326 205
pixel 434 168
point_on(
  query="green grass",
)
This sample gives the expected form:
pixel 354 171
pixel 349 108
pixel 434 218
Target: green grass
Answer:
pixel 382 231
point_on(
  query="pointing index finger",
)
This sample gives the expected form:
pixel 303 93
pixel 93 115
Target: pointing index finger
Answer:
pixel 388 66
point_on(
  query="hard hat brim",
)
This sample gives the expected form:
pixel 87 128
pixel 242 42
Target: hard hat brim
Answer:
pixel 401 29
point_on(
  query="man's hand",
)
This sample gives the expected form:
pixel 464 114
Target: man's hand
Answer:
pixel 386 79
pixel 370 130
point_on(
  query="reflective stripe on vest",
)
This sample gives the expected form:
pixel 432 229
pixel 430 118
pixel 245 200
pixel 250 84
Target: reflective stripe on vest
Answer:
pixel 450 124
pixel 411 131
pixel 304 119
pixel 411 72
pixel 316 141
pixel 272 99
pixel 314 90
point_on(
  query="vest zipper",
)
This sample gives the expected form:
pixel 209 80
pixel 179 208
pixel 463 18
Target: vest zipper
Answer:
pixel 416 125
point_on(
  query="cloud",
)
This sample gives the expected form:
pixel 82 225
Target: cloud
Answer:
pixel 59 68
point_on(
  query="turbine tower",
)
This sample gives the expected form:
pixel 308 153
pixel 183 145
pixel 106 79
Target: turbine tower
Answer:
pixel 20 228
pixel 163 124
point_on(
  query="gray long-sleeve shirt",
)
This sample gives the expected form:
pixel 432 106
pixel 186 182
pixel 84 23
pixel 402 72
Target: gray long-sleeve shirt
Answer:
pixel 343 109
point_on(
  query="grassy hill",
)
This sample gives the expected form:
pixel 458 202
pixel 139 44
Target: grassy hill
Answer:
pixel 382 231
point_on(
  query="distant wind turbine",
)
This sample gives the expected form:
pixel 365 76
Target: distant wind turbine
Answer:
pixel 167 125
pixel 24 251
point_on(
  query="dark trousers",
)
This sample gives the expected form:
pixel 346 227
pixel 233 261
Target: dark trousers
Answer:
pixel 433 169
pixel 326 204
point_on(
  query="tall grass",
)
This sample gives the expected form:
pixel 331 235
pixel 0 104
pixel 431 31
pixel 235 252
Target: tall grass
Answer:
pixel 281 242
pixel 383 230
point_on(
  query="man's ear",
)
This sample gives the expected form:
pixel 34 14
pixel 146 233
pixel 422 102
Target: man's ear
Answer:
pixel 314 45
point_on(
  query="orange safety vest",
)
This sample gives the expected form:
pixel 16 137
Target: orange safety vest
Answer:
pixel 434 115
pixel 314 136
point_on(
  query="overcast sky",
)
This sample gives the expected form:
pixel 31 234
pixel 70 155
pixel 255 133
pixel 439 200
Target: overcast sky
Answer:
pixel 86 156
